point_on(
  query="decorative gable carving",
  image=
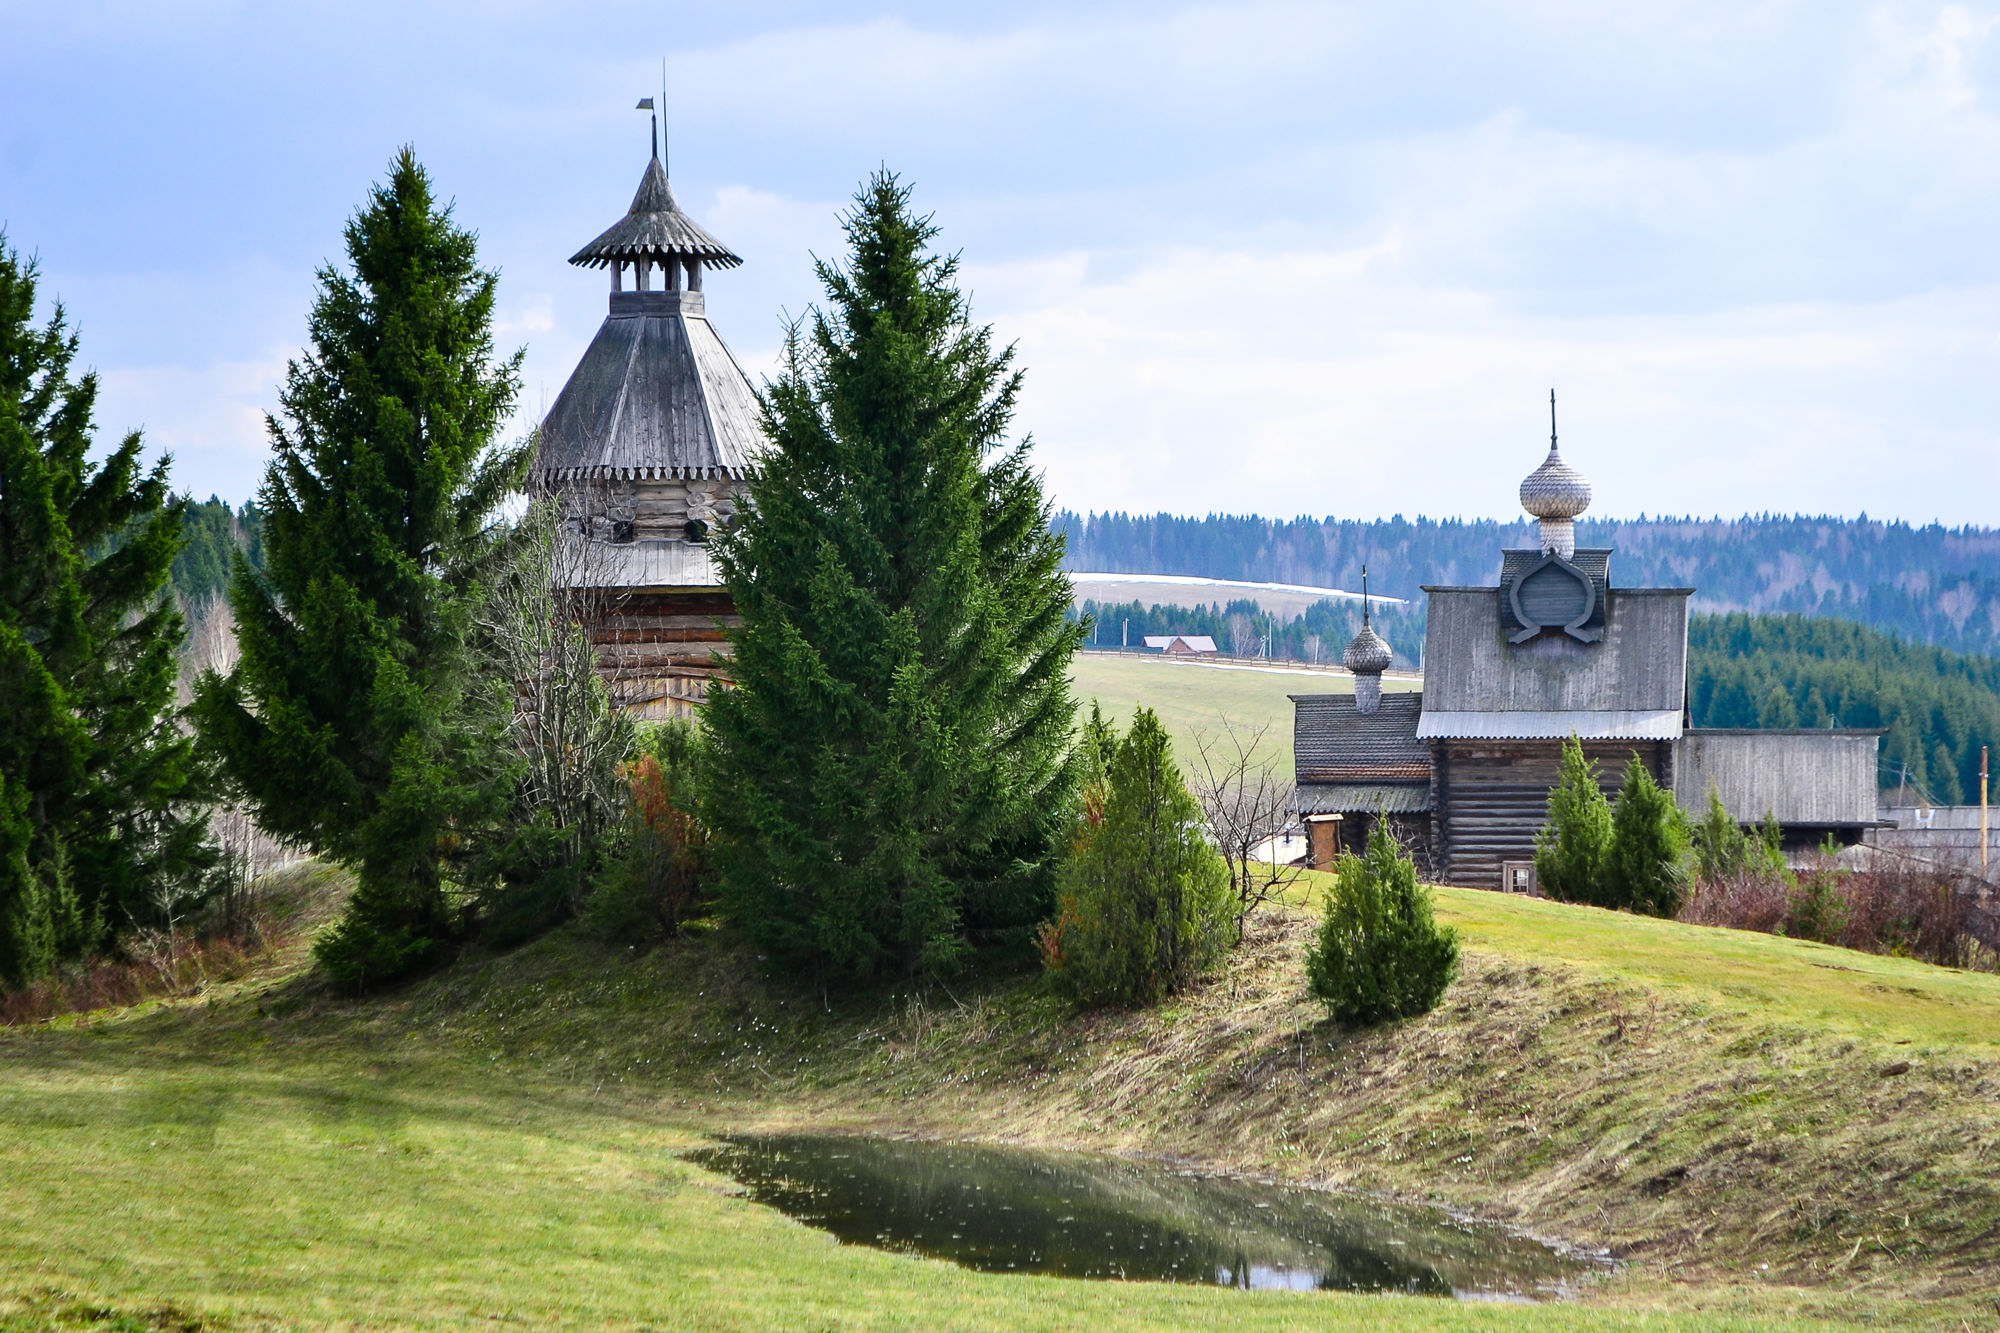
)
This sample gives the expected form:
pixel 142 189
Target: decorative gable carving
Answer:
pixel 1555 595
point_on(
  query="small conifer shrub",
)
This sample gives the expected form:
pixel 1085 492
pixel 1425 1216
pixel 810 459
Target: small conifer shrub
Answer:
pixel 1143 904
pixel 1647 869
pixel 1380 953
pixel 1571 849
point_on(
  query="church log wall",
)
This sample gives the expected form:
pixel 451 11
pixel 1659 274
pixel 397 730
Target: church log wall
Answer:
pixel 1493 797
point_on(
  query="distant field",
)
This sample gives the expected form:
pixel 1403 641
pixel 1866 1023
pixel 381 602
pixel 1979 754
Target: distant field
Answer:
pixel 1191 696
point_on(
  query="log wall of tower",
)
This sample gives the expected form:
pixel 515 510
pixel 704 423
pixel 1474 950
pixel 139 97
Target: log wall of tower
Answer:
pixel 658 508
pixel 660 652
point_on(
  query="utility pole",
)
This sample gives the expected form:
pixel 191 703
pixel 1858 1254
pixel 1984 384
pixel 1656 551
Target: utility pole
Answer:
pixel 1983 755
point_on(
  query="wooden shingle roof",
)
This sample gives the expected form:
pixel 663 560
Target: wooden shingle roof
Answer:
pixel 1630 686
pixel 654 228
pixel 1333 743
pixel 657 394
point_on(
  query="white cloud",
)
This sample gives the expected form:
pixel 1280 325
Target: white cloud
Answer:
pixel 209 417
pixel 1333 383
pixel 1267 256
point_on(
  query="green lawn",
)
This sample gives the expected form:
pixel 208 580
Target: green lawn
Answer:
pixel 1777 979
pixel 189 1168
pixel 498 1144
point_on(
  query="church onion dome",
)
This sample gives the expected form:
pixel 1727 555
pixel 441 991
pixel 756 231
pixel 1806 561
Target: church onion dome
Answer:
pixel 654 229
pixel 1555 491
pixel 1368 653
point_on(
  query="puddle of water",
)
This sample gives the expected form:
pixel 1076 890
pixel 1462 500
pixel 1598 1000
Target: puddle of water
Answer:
pixel 1009 1210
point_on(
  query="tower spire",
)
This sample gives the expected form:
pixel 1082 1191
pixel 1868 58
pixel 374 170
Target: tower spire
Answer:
pixel 1552 420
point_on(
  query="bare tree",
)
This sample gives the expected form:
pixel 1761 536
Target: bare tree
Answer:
pixel 248 853
pixel 1247 798
pixel 1243 637
pixel 560 720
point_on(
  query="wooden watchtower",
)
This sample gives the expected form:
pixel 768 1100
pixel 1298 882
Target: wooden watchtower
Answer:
pixel 649 447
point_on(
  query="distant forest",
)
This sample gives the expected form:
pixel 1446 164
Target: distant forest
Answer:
pixel 1931 584
pixel 1938 706
pixel 215 532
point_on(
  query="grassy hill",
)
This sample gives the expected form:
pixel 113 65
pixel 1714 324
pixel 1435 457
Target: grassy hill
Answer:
pixel 499 1143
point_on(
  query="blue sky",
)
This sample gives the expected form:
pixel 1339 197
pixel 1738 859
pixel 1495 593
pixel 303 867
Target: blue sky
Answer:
pixel 1286 259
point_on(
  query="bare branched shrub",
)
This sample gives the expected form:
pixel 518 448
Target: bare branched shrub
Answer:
pixel 1903 907
pixel 149 963
pixel 1745 900
pixel 562 736
pixel 1910 909
pixel 661 878
pixel 1247 800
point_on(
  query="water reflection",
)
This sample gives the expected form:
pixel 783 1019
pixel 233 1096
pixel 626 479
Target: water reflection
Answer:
pixel 1077 1215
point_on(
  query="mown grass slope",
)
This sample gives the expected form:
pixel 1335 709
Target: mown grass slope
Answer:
pixel 497 1144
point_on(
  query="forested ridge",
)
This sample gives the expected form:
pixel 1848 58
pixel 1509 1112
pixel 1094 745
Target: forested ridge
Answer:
pixel 213 533
pixel 1929 584
pixel 1937 706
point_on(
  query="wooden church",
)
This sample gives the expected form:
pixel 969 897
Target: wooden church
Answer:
pixel 648 447
pixel 1462 769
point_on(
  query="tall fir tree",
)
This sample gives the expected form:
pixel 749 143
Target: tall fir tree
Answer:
pixel 891 783
pixel 101 822
pixel 343 721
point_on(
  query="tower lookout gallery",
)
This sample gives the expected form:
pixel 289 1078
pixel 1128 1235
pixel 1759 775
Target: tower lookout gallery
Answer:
pixel 648 447
pixel 1463 768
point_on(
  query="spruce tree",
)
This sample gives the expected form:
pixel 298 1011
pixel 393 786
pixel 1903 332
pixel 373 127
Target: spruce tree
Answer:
pixel 343 721
pixel 1571 847
pixel 100 818
pixel 1144 905
pixel 890 785
pixel 1380 953
pixel 1646 870
pixel 1721 847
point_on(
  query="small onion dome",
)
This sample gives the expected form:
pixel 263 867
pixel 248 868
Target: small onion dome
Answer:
pixel 1555 491
pixel 655 229
pixel 1368 653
